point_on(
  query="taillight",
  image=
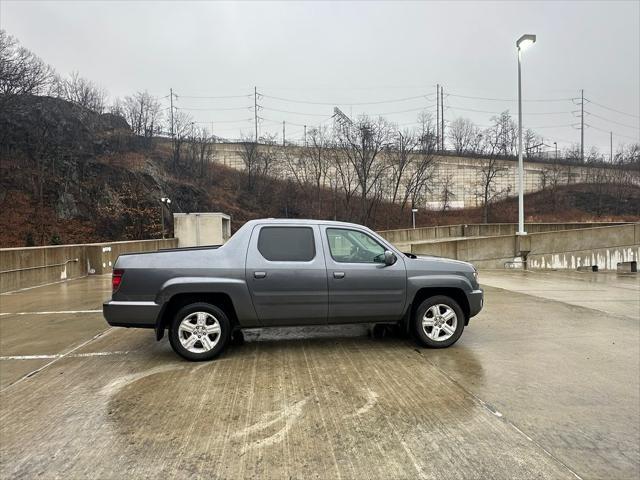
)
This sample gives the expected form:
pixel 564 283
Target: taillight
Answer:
pixel 116 279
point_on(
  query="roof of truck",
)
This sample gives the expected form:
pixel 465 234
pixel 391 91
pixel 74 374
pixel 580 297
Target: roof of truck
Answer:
pixel 303 221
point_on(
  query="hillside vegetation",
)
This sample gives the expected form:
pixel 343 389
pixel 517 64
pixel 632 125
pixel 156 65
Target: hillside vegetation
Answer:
pixel 70 175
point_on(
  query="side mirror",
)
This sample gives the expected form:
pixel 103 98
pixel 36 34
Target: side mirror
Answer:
pixel 389 258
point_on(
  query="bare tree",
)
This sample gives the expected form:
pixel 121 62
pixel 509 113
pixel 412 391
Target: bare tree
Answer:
pixel 206 151
pixel 417 183
pixel 491 171
pixel 182 130
pixel 268 156
pixel 362 144
pixel 550 180
pixel 446 193
pixel 21 71
pixel 462 133
pixel 502 136
pixel 260 159
pixel 249 156
pixel 144 115
pixel 532 143
pixel 426 131
pixel 317 159
pixel 81 91
pixel 400 157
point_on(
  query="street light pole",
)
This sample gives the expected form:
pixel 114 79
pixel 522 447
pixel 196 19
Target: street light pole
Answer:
pixel 163 201
pixel 523 42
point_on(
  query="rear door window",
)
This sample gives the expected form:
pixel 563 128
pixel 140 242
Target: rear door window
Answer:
pixel 287 244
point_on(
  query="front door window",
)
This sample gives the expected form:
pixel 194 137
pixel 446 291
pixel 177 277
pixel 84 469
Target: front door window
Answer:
pixel 353 246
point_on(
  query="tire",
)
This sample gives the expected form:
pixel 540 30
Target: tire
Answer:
pixel 199 332
pixel 446 332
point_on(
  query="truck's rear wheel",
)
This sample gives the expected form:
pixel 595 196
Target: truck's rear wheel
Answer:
pixel 199 331
pixel 438 322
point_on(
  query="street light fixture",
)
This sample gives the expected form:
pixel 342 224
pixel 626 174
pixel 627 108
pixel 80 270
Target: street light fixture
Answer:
pixel 164 201
pixel 413 216
pixel 523 42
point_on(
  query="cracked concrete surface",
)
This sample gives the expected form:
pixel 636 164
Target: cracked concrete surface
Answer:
pixel 541 385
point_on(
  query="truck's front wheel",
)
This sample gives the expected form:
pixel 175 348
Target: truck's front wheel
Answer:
pixel 438 322
pixel 199 331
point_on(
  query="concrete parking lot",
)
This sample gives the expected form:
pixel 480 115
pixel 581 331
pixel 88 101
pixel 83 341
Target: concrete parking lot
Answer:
pixel 544 383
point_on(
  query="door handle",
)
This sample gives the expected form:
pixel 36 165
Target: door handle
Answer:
pixel 338 275
pixel 259 274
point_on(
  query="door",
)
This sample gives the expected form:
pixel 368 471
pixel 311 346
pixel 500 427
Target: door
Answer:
pixel 287 275
pixel 362 288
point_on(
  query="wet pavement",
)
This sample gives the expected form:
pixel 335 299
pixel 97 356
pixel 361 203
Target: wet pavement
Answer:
pixel 544 383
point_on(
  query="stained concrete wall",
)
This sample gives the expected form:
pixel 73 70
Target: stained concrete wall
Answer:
pixel 604 247
pixel 562 249
pixel 32 266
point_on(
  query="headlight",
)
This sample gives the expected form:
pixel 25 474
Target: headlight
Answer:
pixel 475 274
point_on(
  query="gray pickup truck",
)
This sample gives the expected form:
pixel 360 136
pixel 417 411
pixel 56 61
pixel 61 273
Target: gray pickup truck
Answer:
pixel 290 272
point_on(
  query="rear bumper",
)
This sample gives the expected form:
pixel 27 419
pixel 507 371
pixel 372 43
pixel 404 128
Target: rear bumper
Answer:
pixel 131 314
pixel 476 302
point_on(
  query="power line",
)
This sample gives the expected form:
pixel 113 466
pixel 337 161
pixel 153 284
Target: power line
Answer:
pixel 551 126
pixel 510 99
pixel 214 109
pixel 612 109
pixel 613 121
pixel 615 133
pixel 229 121
pixel 455 107
pixel 214 97
pixel 397 100
pixel 426 107
pixel 296 113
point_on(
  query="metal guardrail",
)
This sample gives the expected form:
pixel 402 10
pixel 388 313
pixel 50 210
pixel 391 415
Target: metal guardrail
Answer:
pixel 73 260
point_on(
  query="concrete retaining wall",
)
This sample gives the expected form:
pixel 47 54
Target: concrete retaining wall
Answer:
pixel 32 266
pixel 463 172
pixel 564 249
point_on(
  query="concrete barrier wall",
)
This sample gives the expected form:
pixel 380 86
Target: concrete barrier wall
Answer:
pixel 564 249
pixel 409 235
pixel 32 266
pixel 485 252
pixel 604 247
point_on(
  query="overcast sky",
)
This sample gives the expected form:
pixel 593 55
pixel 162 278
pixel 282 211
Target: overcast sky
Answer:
pixel 345 53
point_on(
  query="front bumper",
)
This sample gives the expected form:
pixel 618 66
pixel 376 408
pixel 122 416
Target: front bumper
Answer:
pixel 476 302
pixel 131 314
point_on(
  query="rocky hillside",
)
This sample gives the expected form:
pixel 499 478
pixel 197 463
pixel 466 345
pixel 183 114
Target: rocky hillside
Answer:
pixel 69 175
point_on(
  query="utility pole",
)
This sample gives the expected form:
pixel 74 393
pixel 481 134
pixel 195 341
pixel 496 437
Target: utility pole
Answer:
pixel 305 135
pixel 438 117
pixel 611 147
pixel 283 134
pixel 442 116
pixel 582 126
pixel 255 109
